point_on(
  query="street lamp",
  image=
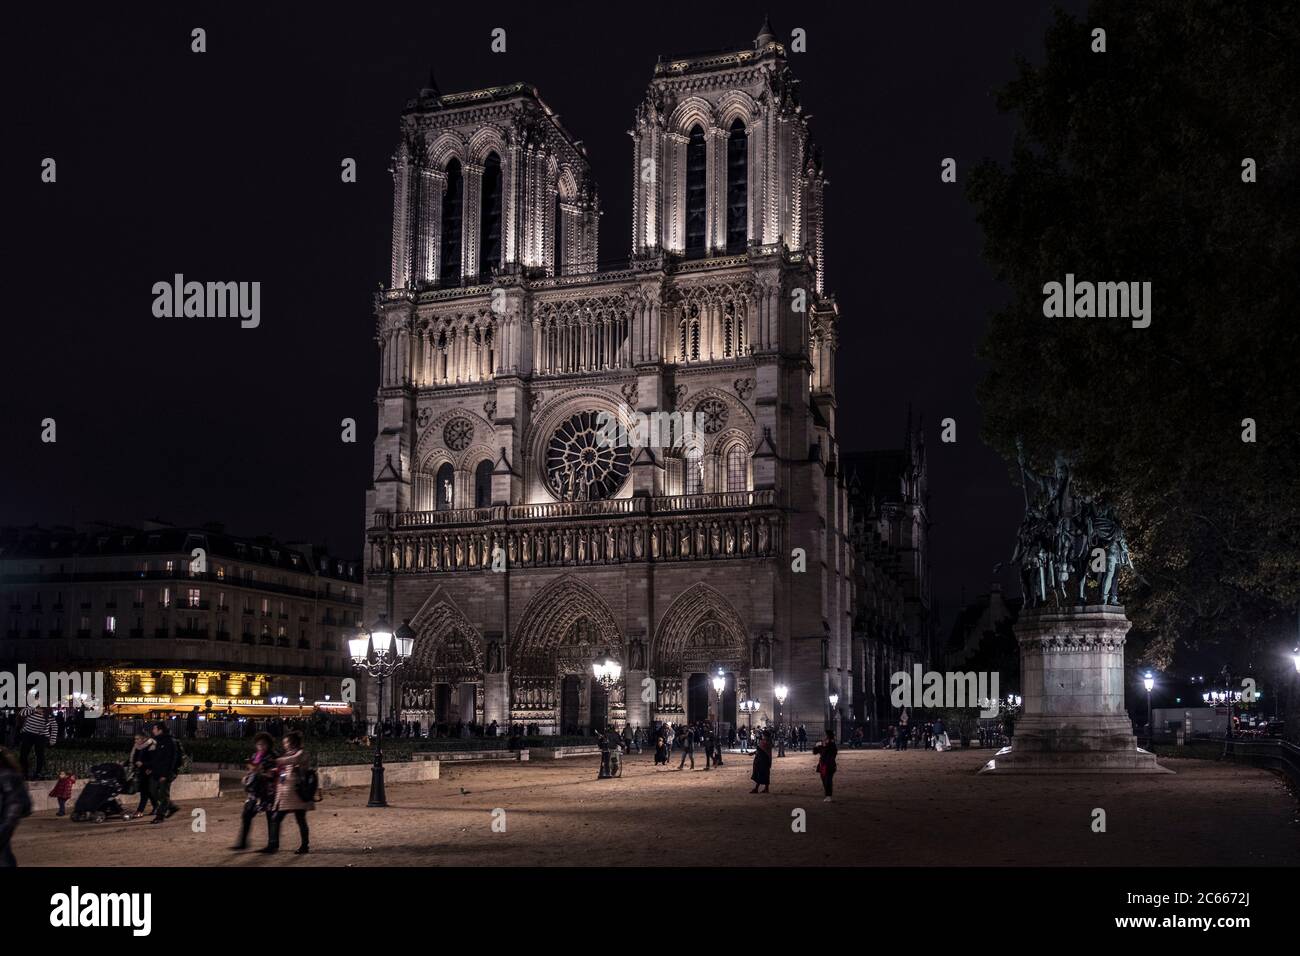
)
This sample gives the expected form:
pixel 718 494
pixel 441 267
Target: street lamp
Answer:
pixel 607 672
pixel 378 654
pixel 719 685
pixel 1149 682
pixel 834 699
pixel 781 692
pixel 749 706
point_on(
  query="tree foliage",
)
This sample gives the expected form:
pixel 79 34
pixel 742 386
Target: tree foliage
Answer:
pixel 1128 167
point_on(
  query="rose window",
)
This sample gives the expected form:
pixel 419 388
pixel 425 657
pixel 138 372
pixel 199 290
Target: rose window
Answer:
pixel 713 415
pixel 458 434
pixel 582 461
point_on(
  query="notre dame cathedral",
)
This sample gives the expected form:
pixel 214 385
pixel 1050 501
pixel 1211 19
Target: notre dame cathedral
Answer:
pixel 522 544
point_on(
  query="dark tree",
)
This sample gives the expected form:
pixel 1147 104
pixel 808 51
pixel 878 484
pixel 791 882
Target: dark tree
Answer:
pixel 1129 166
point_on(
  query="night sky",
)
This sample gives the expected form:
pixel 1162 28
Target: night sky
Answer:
pixel 224 166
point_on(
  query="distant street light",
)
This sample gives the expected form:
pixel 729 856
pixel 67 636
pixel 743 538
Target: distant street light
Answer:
pixel 1149 682
pixel 781 692
pixel 834 699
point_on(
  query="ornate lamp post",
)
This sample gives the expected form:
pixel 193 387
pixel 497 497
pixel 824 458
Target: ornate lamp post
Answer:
pixel 1149 682
pixel 719 685
pixel 830 725
pixel 749 706
pixel 607 671
pixel 388 655
pixel 781 692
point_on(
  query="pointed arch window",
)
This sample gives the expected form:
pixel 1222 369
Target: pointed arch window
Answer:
pixel 483 484
pixel 444 487
pixel 737 468
pixel 453 201
pixel 559 236
pixel 489 224
pixel 737 188
pixel 693 472
pixel 696 193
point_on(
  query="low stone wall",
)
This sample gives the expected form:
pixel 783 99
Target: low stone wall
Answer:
pixel 416 771
pixel 188 786
pixel 557 753
pixel 449 756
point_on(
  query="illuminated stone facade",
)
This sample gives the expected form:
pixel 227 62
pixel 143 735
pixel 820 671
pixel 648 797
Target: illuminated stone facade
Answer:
pixel 518 543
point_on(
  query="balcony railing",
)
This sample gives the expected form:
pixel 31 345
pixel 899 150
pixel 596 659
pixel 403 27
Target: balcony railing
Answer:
pixel 551 510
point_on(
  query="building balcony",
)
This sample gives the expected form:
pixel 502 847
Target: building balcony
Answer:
pixel 108 633
pixel 136 632
pixel 246 639
pixel 192 633
pixel 110 605
pixel 732 525
pixel 223 635
pixel 33 632
pixel 138 605
pixel 83 632
pixel 55 633
pixel 160 632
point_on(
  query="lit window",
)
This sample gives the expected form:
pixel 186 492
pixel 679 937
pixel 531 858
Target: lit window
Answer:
pixel 737 472
pixel 110 624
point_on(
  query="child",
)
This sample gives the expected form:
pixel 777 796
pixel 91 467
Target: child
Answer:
pixel 62 790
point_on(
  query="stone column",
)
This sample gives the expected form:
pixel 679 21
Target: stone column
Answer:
pixel 1072 675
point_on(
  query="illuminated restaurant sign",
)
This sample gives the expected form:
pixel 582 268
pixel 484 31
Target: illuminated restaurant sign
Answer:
pixel 163 699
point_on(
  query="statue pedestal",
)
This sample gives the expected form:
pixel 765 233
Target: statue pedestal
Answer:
pixel 1072 672
pixel 496 700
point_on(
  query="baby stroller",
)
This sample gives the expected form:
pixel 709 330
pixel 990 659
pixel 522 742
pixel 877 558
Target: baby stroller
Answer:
pixel 98 799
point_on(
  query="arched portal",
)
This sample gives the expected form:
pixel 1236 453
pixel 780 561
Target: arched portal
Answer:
pixel 442 685
pixel 565 627
pixel 701 635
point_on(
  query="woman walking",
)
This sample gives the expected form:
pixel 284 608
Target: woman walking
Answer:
pixel 762 775
pixel 826 765
pixel 259 785
pixel 291 768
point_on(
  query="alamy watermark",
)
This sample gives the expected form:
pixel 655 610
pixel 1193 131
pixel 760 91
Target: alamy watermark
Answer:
pixel 53 689
pixel 947 689
pixel 657 430
pixel 209 300
pixel 1100 300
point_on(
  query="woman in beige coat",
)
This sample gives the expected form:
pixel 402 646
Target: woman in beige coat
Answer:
pixel 287 801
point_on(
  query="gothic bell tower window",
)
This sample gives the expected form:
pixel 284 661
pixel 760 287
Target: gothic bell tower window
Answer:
pixel 489 256
pixel 737 188
pixel 696 193
pixel 452 205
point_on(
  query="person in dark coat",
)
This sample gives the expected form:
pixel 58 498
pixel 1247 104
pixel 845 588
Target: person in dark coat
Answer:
pixel 762 775
pixel 138 767
pixel 163 762
pixel 826 765
pixel 15 803
pixel 259 785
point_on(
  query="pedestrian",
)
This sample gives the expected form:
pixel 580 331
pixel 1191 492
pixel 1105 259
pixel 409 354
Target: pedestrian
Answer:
pixel 688 748
pixel 826 765
pixel 291 794
pixel 39 730
pixel 941 741
pixel 638 737
pixel 259 786
pixel 762 773
pixel 62 791
pixel 192 723
pixel 141 757
pixel 900 739
pixel 15 803
pixel 164 761
pixel 780 741
pixel 803 737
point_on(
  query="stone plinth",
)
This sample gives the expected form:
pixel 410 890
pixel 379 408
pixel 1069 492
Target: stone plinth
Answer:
pixel 1072 675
